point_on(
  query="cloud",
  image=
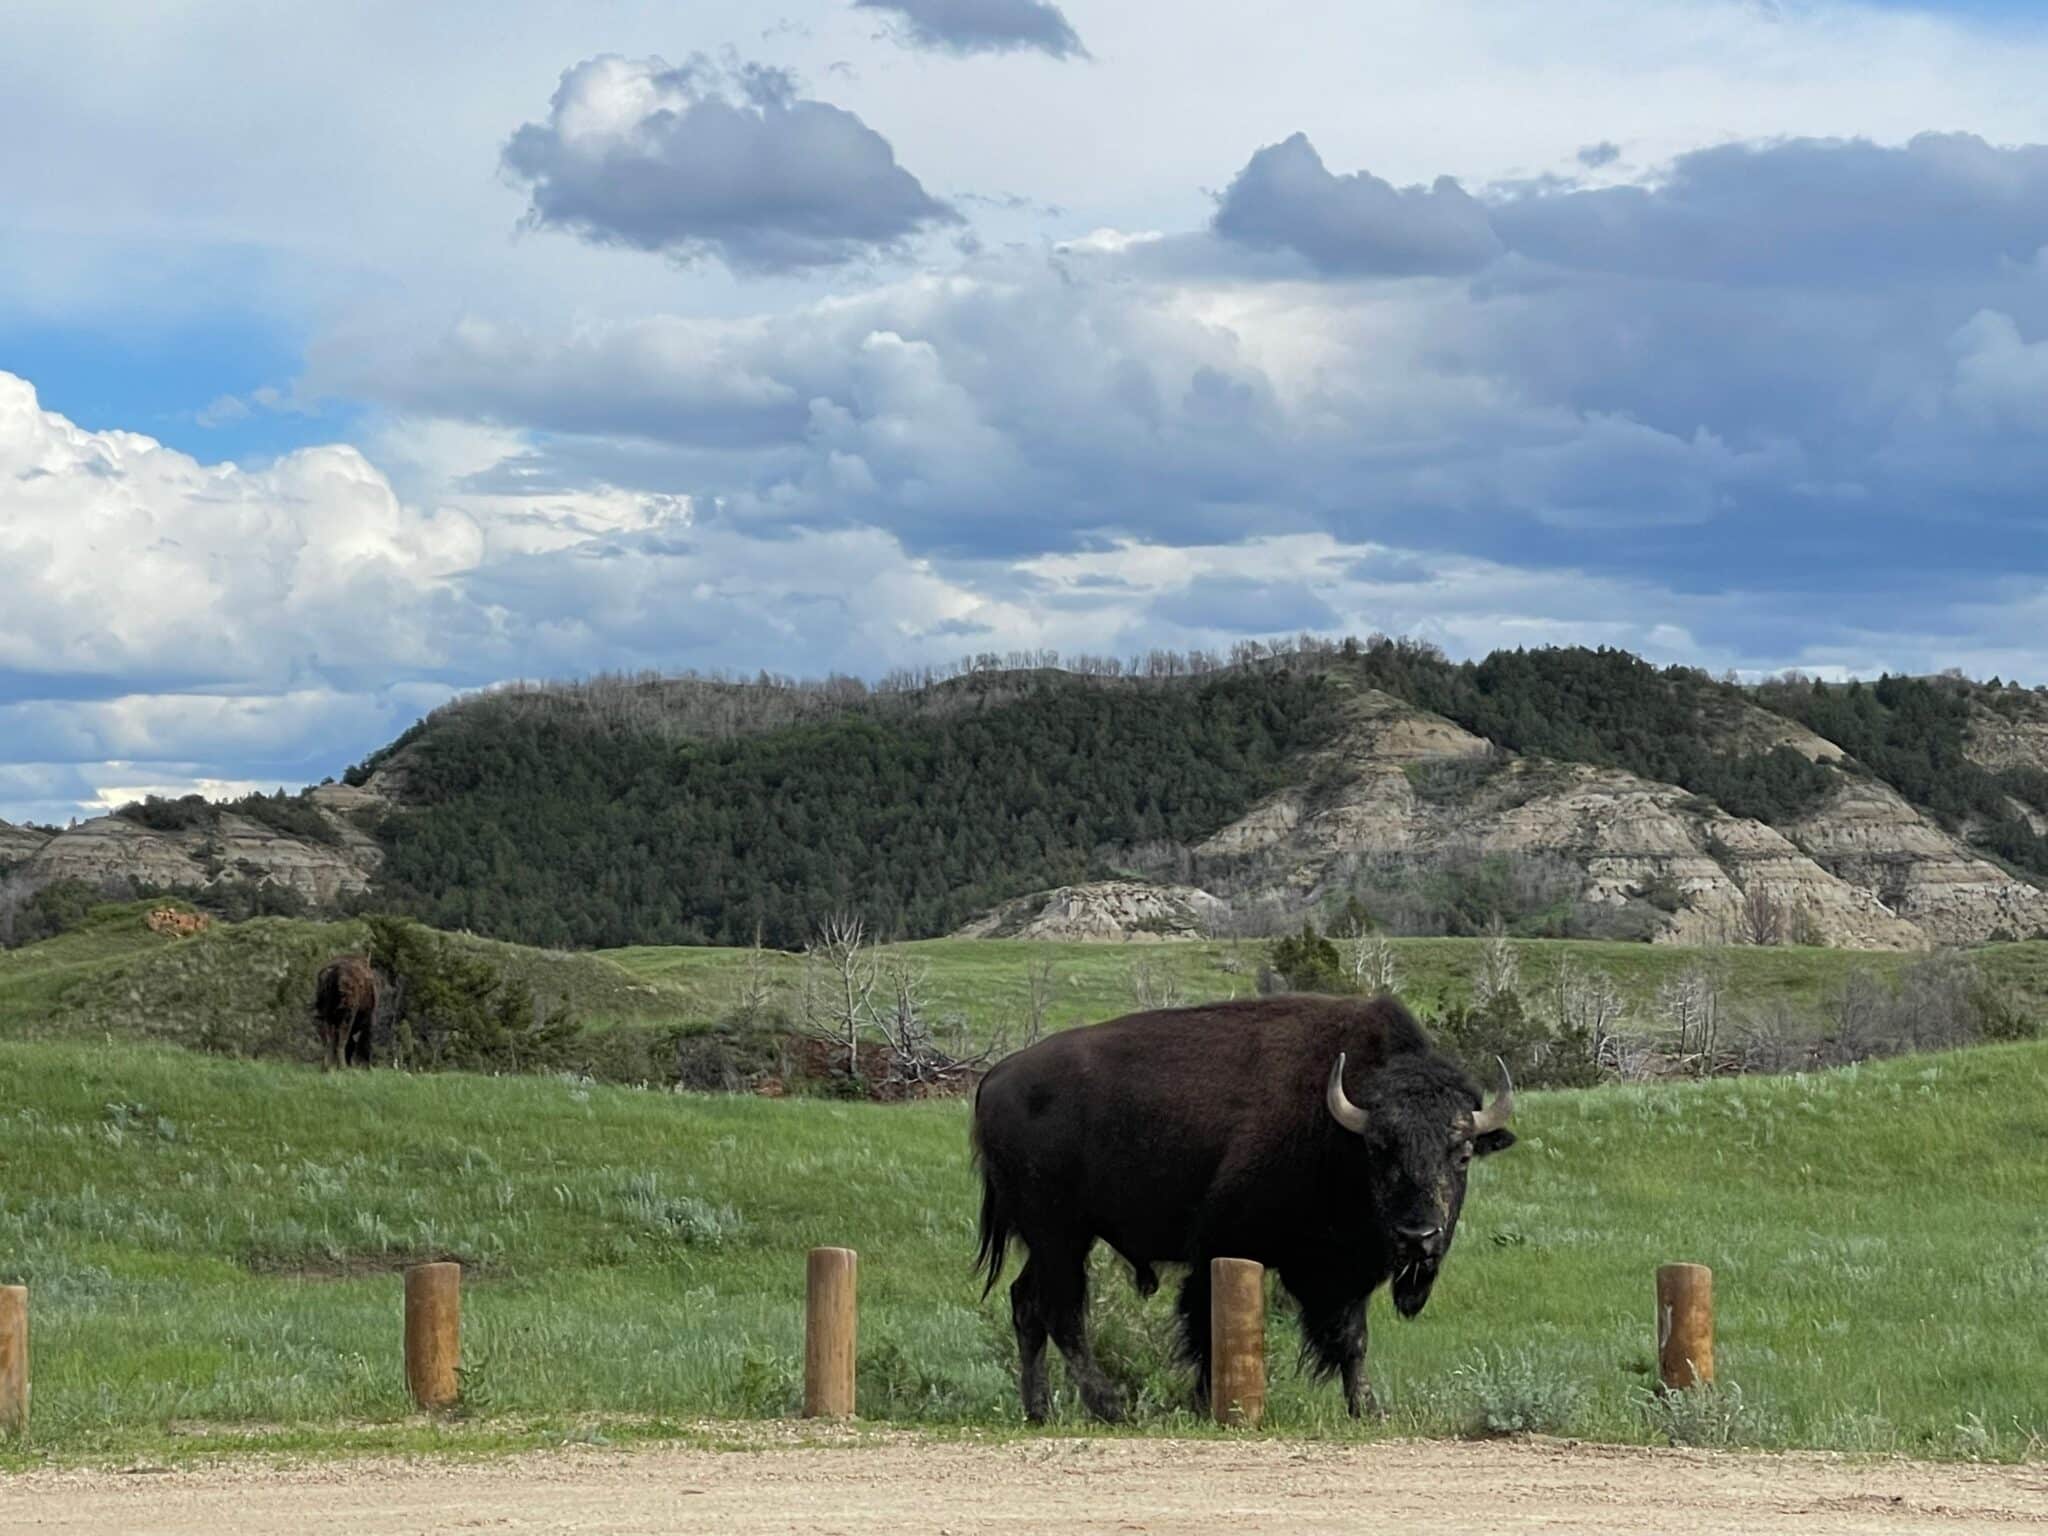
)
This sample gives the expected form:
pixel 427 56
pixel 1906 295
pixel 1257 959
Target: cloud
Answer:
pixel 697 160
pixel 1801 211
pixel 130 561
pixel 982 26
pixel 1353 225
pixel 1827 212
pixel 1239 605
pixel 1594 156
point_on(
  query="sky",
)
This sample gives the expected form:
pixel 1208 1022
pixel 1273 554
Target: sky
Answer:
pixel 352 357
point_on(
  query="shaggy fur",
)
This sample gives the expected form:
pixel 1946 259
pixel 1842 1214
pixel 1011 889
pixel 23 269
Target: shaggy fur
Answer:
pixel 1199 1133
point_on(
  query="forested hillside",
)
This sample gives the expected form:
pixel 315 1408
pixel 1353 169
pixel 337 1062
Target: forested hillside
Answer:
pixel 682 811
pixel 1603 795
pixel 560 824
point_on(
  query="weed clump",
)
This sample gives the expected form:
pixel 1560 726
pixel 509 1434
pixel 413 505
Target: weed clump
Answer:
pixel 1712 1414
pixel 1511 1392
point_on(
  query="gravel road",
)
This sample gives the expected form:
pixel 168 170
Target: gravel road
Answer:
pixel 1159 1486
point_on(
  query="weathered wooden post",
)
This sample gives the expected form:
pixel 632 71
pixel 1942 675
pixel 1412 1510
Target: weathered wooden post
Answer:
pixel 831 1323
pixel 1685 1325
pixel 13 1360
pixel 1237 1341
pixel 433 1333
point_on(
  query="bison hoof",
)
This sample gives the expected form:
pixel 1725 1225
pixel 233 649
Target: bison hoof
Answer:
pixel 1106 1405
pixel 1367 1406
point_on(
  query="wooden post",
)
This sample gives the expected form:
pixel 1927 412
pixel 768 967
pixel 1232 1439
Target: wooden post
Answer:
pixel 831 1322
pixel 1685 1325
pixel 1237 1341
pixel 433 1333
pixel 13 1360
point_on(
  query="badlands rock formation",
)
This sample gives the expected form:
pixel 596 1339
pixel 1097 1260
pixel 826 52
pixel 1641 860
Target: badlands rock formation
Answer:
pixel 1400 786
pixel 19 844
pixel 234 848
pixel 1119 911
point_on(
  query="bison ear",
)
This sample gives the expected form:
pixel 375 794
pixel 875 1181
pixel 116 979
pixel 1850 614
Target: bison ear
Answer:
pixel 1491 1142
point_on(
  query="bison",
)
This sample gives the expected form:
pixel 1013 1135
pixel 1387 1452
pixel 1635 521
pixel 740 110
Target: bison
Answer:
pixel 345 1008
pixel 1325 1137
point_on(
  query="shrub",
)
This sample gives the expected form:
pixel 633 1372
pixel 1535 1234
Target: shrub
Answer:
pixel 1503 1027
pixel 290 815
pixel 1308 962
pixel 1706 1414
pixel 29 914
pixel 456 1011
pixel 1510 1392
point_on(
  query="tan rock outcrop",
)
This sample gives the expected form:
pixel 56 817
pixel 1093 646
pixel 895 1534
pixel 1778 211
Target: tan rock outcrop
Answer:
pixel 1869 835
pixel 235 848
pixel 19 844
pixel 1400 785
pixel 1103 911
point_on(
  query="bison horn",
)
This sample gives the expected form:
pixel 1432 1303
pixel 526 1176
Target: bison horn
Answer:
pixel 1495 1116
pixel 1342 1110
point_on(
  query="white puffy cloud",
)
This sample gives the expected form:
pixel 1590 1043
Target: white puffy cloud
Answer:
pixel 128 560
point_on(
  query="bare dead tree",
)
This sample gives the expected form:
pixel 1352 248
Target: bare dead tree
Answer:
pixel 1761 920
pixel 758 986
pixel 1370 959
pixel 1155 984
pixel 839 996
pixel 1041 982
pixel 1587 1005
pixel 1690 1004
pixel 1500 967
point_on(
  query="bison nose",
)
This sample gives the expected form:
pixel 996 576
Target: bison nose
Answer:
pixel 1429 1239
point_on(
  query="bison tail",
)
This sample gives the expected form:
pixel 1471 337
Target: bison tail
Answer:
pixel 996 1226
pixel 996 1232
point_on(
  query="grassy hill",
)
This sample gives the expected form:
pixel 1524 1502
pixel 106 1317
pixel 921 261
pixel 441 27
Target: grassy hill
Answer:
pixel 242 989
pixel 212 1245
pixel 245 989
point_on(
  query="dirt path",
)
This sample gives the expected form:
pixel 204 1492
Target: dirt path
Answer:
pixel 1161 1487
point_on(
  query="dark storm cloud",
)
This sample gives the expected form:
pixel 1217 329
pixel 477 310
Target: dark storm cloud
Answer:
pixel 1353 225
pixel 982 26
pixel 696 160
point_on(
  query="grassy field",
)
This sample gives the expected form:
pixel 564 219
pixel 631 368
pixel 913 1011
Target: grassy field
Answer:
pixel 242 989
pixel 212 1249
pixel 984 980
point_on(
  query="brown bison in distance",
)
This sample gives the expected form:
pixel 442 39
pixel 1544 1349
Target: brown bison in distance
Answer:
pixel 1324 1137
pixel 345 1008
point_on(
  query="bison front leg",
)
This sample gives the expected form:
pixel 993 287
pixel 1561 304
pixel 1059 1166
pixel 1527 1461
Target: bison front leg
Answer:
pixel 1193 1307
pixel 1333 1342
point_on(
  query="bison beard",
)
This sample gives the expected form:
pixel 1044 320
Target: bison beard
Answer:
pixel 1324 1137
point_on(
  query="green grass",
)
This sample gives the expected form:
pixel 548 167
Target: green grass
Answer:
pixel 212 1245
pixel 243 989
pixel 984 980
pixel 246 988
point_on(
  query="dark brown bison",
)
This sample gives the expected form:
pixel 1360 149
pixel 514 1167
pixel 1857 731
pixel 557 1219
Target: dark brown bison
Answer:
pixel 345 1009
pixel 1324 1137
